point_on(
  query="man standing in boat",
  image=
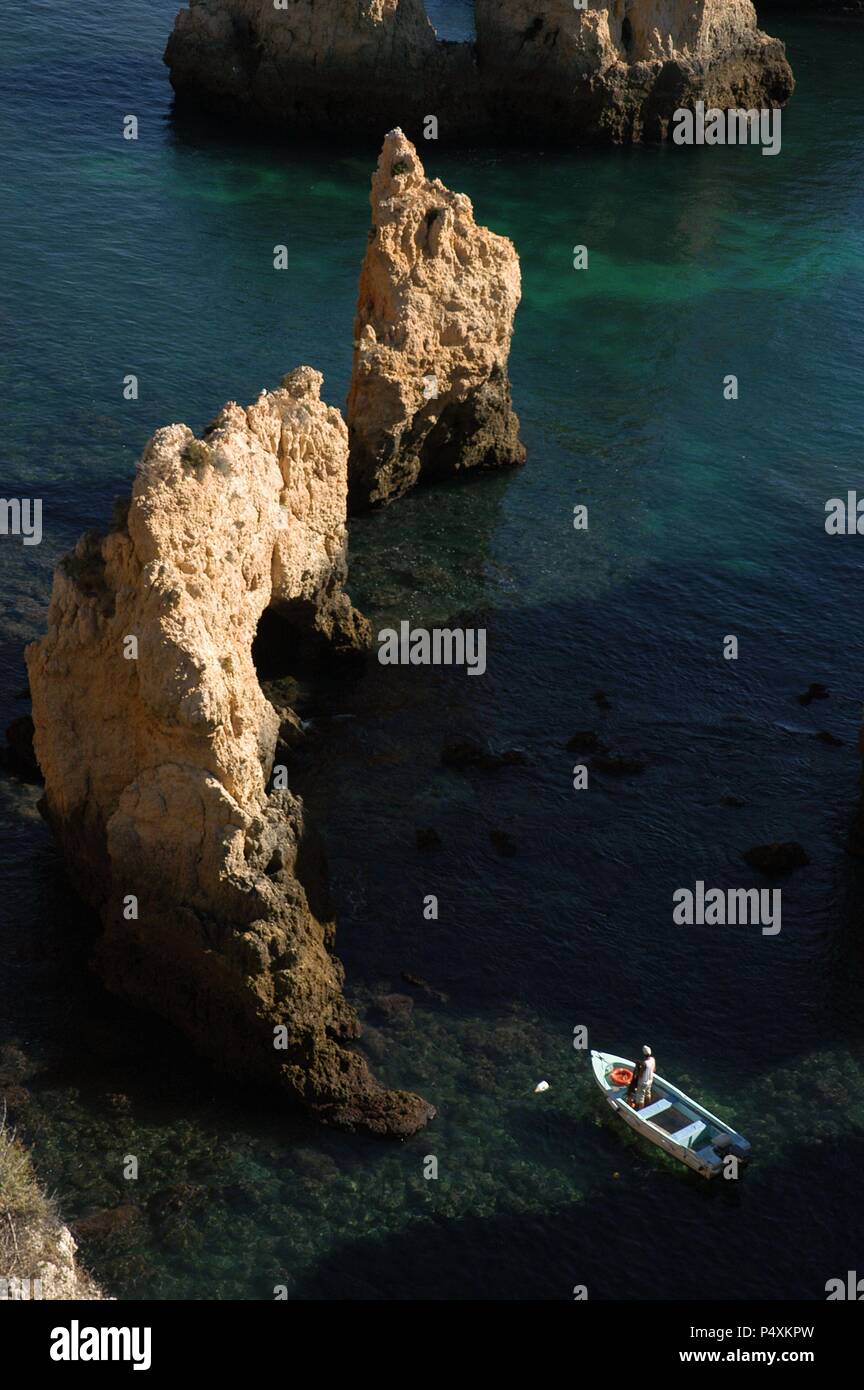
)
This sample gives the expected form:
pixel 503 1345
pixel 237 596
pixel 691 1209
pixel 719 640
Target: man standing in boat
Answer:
pixel 639 1090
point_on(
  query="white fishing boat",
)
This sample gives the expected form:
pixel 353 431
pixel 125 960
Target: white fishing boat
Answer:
pixel 671 1120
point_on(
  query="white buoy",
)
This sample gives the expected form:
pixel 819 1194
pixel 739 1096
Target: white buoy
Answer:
pixel 541 1086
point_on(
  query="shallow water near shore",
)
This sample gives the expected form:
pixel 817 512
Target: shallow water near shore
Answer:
pixel 706 518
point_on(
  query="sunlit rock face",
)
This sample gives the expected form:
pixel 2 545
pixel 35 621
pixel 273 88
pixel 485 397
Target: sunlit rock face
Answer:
pixel 430 392
pixel 157 746
pixel 621 70
pixel 538 69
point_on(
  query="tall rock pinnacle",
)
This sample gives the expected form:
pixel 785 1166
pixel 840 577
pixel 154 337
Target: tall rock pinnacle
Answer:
pixel 430 392
pixel 157 746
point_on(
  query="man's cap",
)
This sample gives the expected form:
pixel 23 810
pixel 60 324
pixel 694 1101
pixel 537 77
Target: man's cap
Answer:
pixel 646 1049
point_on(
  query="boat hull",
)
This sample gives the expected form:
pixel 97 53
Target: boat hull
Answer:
pixel 673 1121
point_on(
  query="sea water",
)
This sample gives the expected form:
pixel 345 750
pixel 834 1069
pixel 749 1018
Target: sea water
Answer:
pixel 705 520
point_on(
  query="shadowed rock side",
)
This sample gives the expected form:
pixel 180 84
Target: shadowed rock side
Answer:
pixel 430 393
pixel 325 65
pixel 539 68
pixel 211 890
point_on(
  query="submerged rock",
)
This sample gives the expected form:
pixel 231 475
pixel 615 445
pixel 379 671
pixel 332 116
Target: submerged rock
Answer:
pixel 618 765
pixel 537 69
pixel 504 843
pixel 177 1197
pixel 13 1099
pixel 427 837
pixel 430 393
pixel 586 741
pixel 395 1009
pixel 418 982
pixel 777 858
pixel 469 753
pixel 107 1223
pixel 815 691
pixel 157 745
pixel 117 1101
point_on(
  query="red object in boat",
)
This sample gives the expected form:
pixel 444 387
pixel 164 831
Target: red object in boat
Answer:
pixel 621 1076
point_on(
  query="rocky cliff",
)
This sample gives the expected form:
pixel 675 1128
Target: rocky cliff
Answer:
pixel 37 1252
pixel 157 746
pixel 538 69
pixel 430 393
pixel 48 1253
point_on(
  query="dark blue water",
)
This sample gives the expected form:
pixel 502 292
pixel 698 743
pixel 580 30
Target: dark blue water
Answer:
pixel 706 518
pixel 452 19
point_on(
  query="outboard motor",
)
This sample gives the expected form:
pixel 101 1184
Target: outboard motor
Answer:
pixel 724 1144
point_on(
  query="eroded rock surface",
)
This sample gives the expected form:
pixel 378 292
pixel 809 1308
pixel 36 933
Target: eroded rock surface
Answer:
pixel 211 888
pixel 539 68
pixel 46 1250
pixel 621 70
pixel 326 65
pixel 430 391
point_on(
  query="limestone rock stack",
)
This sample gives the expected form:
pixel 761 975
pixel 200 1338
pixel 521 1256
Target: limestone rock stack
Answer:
pixel 157 745
pixel 620 70
pixel 328 65
pixel 430 391
pixel 540 69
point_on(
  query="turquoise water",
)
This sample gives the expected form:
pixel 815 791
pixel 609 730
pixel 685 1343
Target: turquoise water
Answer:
pixel 706 518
